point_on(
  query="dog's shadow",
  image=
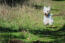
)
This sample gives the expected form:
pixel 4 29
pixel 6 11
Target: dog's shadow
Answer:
pixel 51 27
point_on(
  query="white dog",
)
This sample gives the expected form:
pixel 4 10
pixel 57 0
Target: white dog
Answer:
pixel 47 16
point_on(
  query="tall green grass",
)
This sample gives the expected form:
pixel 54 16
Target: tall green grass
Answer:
pixel 28 18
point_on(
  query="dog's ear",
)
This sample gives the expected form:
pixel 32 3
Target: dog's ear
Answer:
pixel 49 8
pixel 44 8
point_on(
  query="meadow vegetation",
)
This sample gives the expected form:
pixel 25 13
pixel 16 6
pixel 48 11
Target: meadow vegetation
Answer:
pixel 25 22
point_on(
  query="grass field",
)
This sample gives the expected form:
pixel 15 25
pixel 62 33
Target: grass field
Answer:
pixel 26 23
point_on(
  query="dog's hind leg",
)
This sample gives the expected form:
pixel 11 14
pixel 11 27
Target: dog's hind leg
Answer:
pixel 51 22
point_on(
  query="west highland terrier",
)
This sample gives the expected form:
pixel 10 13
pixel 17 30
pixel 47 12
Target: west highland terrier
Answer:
pixel 48 20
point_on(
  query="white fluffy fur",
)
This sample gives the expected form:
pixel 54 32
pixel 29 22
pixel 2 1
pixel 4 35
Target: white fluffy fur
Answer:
pixel 49 19
pixel 45 9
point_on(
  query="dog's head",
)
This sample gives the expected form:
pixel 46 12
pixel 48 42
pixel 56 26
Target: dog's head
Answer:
pixel 46 10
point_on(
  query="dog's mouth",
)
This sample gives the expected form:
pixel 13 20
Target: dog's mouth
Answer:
pixel 46 14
